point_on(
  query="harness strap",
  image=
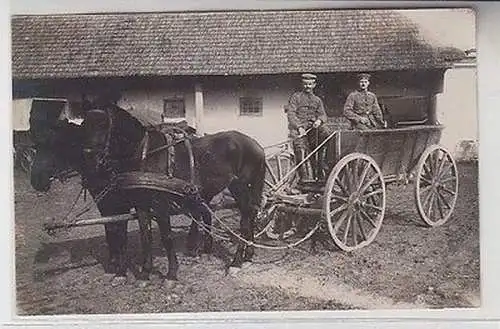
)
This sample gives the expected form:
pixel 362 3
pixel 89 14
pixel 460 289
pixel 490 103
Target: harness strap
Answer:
pixel 170 146
pixel 189 148
pixel 145 146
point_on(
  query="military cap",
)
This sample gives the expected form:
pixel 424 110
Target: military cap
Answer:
pixel 364 76
pixel 308 76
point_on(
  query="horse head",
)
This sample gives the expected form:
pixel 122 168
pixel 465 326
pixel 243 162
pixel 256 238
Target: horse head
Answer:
pixel 111 138
pixel 58 151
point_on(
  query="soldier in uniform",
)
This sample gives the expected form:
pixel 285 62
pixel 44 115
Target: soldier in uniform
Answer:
pixel 362 108
pixel 305 110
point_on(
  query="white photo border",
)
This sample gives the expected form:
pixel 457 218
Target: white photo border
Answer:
pixel 488 45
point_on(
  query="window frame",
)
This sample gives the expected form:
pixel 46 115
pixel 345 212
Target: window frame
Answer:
pixel 254 100
pixel 174 99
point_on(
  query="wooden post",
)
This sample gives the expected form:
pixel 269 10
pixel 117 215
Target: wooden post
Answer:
pixel 431 110
pixel 198 109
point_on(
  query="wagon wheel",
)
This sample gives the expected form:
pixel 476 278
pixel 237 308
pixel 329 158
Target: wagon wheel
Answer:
pixel 354 202
pixel 436 187
pixel 278 166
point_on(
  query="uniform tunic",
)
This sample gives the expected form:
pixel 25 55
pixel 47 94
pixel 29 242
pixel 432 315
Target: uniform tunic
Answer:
pixel 363 104
pixel 304 109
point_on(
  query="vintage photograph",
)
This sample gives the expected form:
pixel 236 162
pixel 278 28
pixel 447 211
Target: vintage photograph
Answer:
pixel 245 160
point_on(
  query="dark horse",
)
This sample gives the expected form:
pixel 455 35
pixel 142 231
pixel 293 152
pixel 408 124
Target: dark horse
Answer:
pixel 228 159
pixel 59 150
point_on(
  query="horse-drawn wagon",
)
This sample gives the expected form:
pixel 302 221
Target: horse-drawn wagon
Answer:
pixel 358 167
pixel 347 200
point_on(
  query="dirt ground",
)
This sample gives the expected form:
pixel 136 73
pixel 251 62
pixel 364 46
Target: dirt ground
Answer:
pixel 407 266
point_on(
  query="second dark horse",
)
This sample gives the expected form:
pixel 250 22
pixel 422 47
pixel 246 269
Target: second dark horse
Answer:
pixel 115 141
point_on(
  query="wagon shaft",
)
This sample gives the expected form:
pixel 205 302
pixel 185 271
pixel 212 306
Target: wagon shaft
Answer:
pixel 300 211
pixel 54 225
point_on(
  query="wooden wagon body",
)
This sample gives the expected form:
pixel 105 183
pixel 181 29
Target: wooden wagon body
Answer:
pixel 359 164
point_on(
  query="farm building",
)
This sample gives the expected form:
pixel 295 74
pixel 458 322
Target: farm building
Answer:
pixel 457 108
pixel 231 69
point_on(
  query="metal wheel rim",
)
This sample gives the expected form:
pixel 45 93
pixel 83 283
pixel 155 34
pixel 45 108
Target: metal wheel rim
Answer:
pixel 435 195
pixel 377 224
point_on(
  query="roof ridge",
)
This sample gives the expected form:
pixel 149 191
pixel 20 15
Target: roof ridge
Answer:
pixel 208 11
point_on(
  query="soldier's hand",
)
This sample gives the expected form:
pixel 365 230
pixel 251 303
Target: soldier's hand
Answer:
pixel 302 132
pixel 365 121
pixel 317 123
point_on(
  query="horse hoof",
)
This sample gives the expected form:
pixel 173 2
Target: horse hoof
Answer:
pixel 143 283
pixel 232 271
pixel 118 281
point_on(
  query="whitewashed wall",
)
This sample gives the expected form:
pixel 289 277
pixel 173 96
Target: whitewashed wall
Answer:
pixel 221 110
pixel 457 110
pixel 222 113
pixel 147 105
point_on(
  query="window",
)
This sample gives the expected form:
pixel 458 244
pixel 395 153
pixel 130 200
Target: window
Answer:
pixel 250 105
pixel 174 108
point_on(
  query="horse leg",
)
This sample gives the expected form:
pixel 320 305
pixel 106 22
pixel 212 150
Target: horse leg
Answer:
pixel 207 235
pixel 238 192
pixel 111 238
pixel 144 219
pixel 116 237
pixel 200 212
pixel 193 239
pixel 168 244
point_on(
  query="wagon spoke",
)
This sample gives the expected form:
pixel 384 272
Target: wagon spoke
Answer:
pixel 339 209
pixel 427 169
pixel 372 206
pixel 340 221
pixel 443 199
pixel 444 188
pixel 431 205
pixel 439 206
pixel 367 217
pixel 441 162
pixel 370 182
pixel 363 175
pixel 355 170
pixel 341 185
pixel 435 160
pixel 361 229
pixel 350 183
pixel 338 197
pixel 346 232
pixel 271 172
pixel 354 229
pixel 449 179
pixel 426 180
pixel 425 188
pixel 426 199
pixel 445 169
pixel 372 193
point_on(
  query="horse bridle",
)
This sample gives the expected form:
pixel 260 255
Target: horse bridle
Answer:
pixel 103 156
